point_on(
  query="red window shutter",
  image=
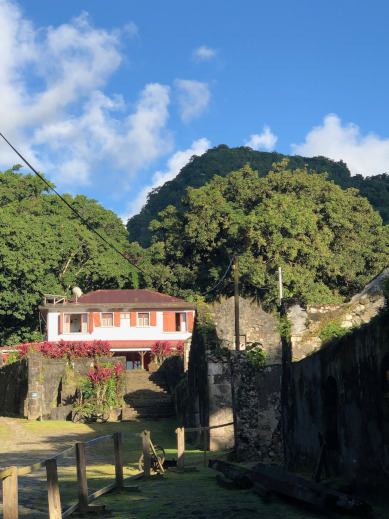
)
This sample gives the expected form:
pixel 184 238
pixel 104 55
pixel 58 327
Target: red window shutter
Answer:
pixel 90 322
pixel 153 318
pixel 169 321
pixel 190 321
pixel 116 319
pixel 132 318
pixel 97 319
pixel 60 323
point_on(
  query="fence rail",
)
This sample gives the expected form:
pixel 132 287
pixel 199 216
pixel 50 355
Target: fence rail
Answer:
pixel 9 477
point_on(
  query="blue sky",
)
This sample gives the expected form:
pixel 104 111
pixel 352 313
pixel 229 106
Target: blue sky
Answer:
pixel 111 99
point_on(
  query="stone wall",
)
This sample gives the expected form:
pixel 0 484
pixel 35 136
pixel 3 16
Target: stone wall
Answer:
pixel 341 394
pixel 255 325
pixel 225 388
pixel 40 388
pixel 14 389
pixel 307 323
pixel 257 409
pixel 220 402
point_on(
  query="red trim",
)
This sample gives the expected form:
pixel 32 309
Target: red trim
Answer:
pixel 132 318
pixel 190 321
pixel 153 318
pixel 90 322
pixel 169 322
pixel 60 323
pixel 97 319
pixel 133 345
pixel 116 319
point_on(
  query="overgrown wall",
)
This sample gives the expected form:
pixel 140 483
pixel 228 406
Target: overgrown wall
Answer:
pixel 257 409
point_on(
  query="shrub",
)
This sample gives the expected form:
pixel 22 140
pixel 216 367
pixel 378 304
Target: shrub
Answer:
pixel 65 349
pixel 332 330
pixel 161 350
pixel 256 355
pixel 104 382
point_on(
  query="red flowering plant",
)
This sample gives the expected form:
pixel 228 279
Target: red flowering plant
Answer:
pixel 103 383
pixel 63 349
pixel 161 350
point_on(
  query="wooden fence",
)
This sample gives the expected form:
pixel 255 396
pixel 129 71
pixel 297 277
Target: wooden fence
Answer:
pixel 181 441
pixel 10 475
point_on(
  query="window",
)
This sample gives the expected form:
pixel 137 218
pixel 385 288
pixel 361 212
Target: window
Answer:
pixel 124 316
pixel 181 322
pixel 75 323
pixel 143 319
pixel 106 319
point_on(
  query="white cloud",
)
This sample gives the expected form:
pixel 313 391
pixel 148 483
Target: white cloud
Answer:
pixel 193 98
pixel 266 140
pixel 53 108
pixel 131 29
pixel 204 53
pixel 365 155
pixel 174 165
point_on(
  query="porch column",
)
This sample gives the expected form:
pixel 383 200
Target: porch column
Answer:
pixel 142 359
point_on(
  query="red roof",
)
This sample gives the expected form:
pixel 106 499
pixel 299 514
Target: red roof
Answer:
pixel 128 296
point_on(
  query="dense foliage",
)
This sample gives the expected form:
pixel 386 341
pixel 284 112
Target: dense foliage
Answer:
pixel 328 241
pixel 44 248
pixel 222 160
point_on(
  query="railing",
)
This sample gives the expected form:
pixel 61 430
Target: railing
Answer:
pixel 181 441
pixel 10 475
pixel 53 299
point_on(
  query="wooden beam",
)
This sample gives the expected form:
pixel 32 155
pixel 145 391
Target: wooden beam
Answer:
pixel 53 496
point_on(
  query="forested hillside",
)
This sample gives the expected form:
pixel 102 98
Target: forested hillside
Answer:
pixel 328 241
pixel 44 248
pixel 222 160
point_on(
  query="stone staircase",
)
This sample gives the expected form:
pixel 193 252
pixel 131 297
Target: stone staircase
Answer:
pixel 147 396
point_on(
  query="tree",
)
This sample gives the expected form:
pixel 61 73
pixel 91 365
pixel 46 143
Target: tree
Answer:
pixel 328 241
pixel 44 248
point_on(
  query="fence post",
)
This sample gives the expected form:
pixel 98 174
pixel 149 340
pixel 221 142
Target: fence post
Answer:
pixel 205 438
pixel 82 482
pixel 146 453
pixel 10 495
pixel 180 448
pixel 54 499
pixel 117 443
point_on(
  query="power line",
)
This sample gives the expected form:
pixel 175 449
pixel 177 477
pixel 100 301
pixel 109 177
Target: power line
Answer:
pixel 85 222
pixel 222 279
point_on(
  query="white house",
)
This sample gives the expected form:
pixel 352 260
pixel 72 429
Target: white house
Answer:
pixel 131 320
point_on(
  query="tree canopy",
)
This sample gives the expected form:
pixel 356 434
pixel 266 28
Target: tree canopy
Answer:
pixel 221 160
pixel 328 241
pixel 44 248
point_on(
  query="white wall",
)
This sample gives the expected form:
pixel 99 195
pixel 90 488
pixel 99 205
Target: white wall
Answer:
pixel 115 333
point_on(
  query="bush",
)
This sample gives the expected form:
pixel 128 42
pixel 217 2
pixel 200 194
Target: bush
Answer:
pixel 104 382
pixel 332 330
pixel 256 355
pixel 161 350
pixel 64 349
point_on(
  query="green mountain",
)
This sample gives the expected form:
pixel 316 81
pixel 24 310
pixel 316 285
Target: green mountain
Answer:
pixel 221 160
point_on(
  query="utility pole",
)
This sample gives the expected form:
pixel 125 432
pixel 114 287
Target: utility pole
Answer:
pixel 236 298
pixel 280 283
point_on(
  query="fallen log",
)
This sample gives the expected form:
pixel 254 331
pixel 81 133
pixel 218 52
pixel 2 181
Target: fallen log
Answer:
pixel 296 487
